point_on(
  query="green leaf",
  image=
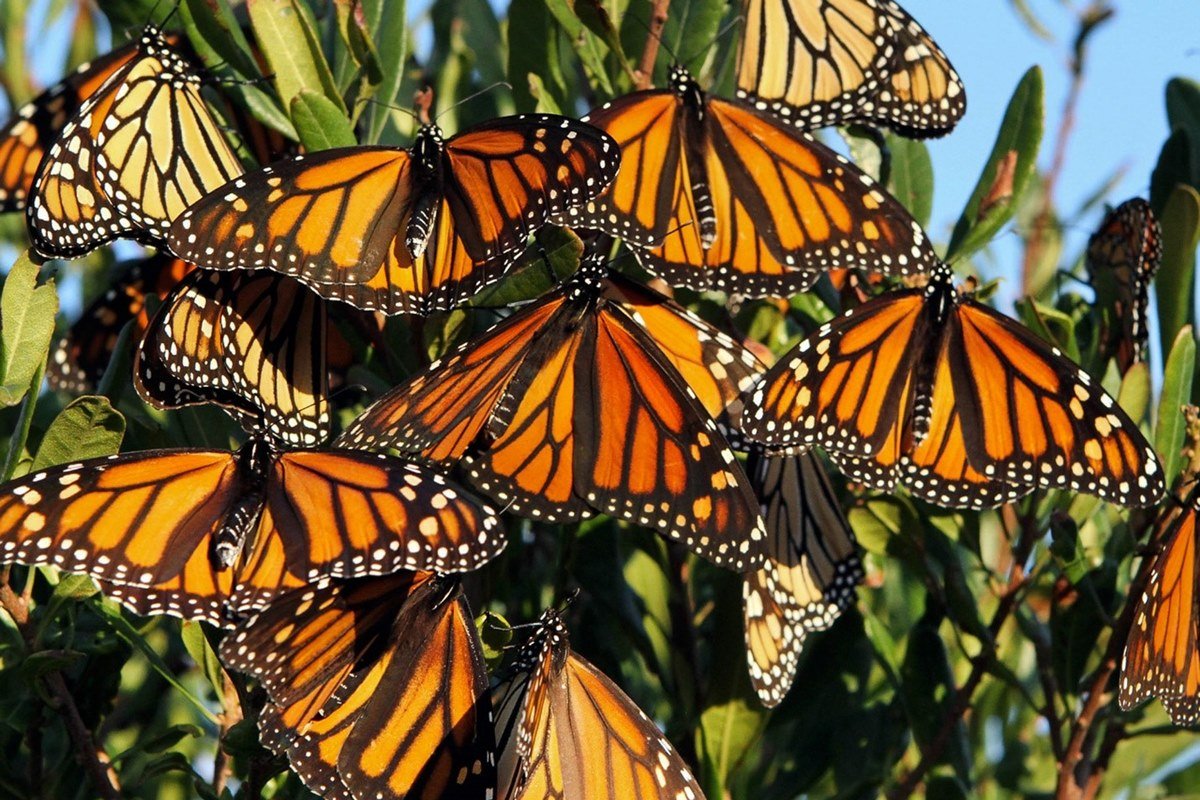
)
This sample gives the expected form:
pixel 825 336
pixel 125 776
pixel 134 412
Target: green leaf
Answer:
pixel 1173 286
pixel 587 47
pixel 733 719
pixel 26 327
pixel 911 178
pixel 89 427
pixel 534 51
pixel 556 257
pixel 201 651
pixel 1176 391
pixel 1183 106
pixel 929 694
pixel 1174 166
pixel 495 634
pixel 391 43
pixel 320 124
pixel 289 40
pixel 167 739
pixel 1007 174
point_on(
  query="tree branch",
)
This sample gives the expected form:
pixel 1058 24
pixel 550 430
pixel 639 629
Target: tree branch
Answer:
pixel 644 74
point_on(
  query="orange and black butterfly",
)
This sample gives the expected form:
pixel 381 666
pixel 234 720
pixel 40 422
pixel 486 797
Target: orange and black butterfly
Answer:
pixel 570 406
pixel 37 124
pixel 252 342
pixel 1122 258
pixel 565 730
pixel 79 359
pixel 1161 657
pixel 722 196
pixel 832 62
pixel 141 149
pixel 811 570
pixel 403 231
pixel 376 687
pixel 962 404
pixel 203 534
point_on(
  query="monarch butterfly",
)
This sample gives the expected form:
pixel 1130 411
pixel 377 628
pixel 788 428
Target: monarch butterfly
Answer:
pixel 202 533
pixel 812 568
pixel 1161 657
pixel 376 687
pixel 967 407
pixel 253 342
pixel 402 231
pixel 37 124
pixel 80 357
pixel 727 197
pixel 830 62
pixel 1122 257
pixel 564 729
pixel 570 406
pixel 138 151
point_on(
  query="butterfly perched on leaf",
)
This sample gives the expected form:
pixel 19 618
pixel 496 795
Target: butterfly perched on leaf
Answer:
pixel 811 570
pixel 1122 257
pixel 833 62
pixel 376 687
pixel 964 406
pixel 1161 657
pixel 252 342
pixel 25 139
pixel 140 149
pixel 81 356
pixel 206 534
pixel 575 404
pixel 565 730
pixel 403 231
pixel 715 194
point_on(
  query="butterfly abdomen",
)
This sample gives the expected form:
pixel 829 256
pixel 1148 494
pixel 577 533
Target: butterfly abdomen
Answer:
pixel 934 318
pixel 427 152
pixel 695 145
pixel 254 463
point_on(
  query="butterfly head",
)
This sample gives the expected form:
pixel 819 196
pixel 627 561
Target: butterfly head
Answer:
pixel 685 86
pixel 588 280
pixel 428 145
pixel 940 291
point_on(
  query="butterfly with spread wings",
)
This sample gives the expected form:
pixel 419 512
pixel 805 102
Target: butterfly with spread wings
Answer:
pixel 1122 257
pixel 376 687
pixel 37 124
pixel 403 231
pixel 812 568
pixel 138 151
pixel 1161 658
pixel 962 404
pixel 565 730
pixel 252 342
pixel 82 355
pixel 833 62
pixel 717 195
pixel 203 534
pixel 570 406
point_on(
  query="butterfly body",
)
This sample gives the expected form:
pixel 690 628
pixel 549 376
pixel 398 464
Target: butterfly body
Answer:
pixel 241 521
pixel 428 186
pixel 966 406
pixel 716 194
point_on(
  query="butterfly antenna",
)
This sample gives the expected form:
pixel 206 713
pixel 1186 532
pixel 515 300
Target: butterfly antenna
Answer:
pixel 167 18
pixel 654 40
pixel 721 33
pixel 390 107
pixel 473 95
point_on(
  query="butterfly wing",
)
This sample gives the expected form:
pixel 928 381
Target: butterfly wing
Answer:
pixel 344 513
pixel 253 342
pixel 139 151
pixel 142 521
pixel 811 569
pixel 638 206
pixel 427 731
pixel 507 177
pixel 1161 656
pixel 1123 256
pixel 567 731
pixel 785 208
pixel 80 358
pixel 27 136
pixel 841 61
pixel 1032 417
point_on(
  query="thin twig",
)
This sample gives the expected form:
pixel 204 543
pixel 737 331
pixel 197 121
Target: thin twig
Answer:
pixel 231 716
pixel 644 74
pixel 93 757
pixel 1017 581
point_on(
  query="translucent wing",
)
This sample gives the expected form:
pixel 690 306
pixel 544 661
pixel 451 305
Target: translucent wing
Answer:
pixel 253 342
pixel 1123 256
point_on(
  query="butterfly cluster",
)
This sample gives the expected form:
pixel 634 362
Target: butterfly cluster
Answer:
pixel 336 565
